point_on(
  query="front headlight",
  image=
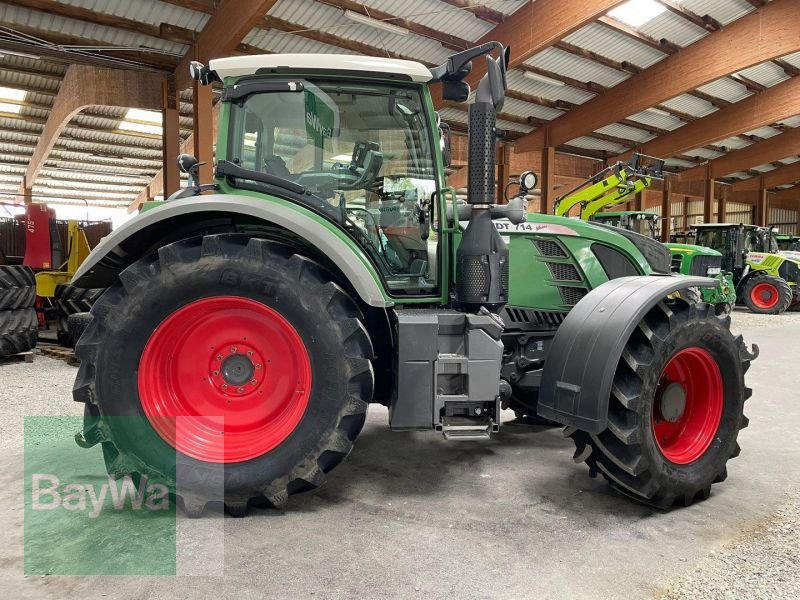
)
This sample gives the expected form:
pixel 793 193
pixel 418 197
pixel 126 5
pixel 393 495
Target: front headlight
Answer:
pixel 712 271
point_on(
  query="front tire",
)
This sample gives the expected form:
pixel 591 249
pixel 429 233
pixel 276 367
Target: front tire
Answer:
pixel 766 295
pixel 676 408
pixel 235 327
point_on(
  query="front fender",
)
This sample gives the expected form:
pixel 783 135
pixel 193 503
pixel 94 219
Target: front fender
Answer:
pixel 111 256
pixel 580 367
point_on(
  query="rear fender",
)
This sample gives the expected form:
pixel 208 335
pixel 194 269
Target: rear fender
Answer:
pixel 580 366
pixel 138 236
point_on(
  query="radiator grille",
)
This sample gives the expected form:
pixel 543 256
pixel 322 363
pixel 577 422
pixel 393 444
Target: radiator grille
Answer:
pixel 701 264
pixel 564 272
pixel 550 249
pixel 572 295
pixel 534 318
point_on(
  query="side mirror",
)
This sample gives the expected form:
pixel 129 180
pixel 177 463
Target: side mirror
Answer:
pixel 445 143
pixel 187 163
pixel 199 72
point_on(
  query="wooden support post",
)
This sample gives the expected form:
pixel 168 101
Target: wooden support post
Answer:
pixel 708 197
pixel 548 180
pixel 666 209
pixel 686 213
pixel 722 205
pixel 503 171
pixel 171 137
pixel 762 208
pixel 637 202
pixel 203 130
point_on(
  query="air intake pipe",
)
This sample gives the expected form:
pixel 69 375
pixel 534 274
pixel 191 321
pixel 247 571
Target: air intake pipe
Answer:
pixel 482 256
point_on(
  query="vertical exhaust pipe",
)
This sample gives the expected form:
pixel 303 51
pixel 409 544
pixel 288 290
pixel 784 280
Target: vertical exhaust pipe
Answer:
pixel 482 256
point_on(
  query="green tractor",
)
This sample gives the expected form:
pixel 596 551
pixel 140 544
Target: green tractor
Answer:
pixel 248 324
pixel 787 243
pixel 766 282
pixel 688 259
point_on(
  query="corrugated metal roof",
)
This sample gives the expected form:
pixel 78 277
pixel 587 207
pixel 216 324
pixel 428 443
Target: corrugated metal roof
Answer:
pixel 673 28
pixel 526 109
pixel 594 144
pixel 704 153
pixel 441 16
pixel 733 143
pixel 145 11
pixel 765 168
pixel 577 67
pixel 790 160
pixel 275 41
pixel 763 132
pixel 690 105
pixel 677 162
pixel 793 59
pixel 727 89
pixel 313 15
pixel 13 15
pixel 665 121
pixel 615 45
pixel 519 82
pixel 724 11
pixel 767 73
pixel 25 81
pixel 792 121
pixel 626 132
pixel 739 175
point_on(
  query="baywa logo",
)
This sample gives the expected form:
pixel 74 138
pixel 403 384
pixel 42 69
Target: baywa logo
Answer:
pixel 49 493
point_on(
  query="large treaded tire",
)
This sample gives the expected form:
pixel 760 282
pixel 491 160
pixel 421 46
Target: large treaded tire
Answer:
pixel 152 290
pixel 626 453
pixel 18 331
pixel 17 287
pixel 70 300
pixel 779 287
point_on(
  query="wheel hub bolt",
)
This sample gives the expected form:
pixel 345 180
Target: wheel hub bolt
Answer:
pixel 258 366
pixel 216 372
pixel 240 389
pixel 224 386
pixel 253 381
pixel 233 349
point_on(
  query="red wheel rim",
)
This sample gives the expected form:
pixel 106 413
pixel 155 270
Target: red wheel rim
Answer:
pixel 688 406
pixel 764 295
pixel 236 372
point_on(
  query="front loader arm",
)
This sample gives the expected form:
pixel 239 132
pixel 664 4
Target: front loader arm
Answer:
pixel 600 185
pixel 614 197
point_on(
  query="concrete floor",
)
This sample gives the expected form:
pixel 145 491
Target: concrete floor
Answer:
pixel 410 515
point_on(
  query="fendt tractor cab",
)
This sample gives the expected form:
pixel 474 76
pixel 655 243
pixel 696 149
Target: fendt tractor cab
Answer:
pixel 688 259
pixel 246 328
pixel 766 282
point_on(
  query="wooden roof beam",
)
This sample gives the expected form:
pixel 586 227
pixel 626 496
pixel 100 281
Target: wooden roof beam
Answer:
pixel 480 10
pixel 771 179
pixel 447 40
pixel 774 104
pixel 759 36
pixel 704 22
pixel 228 25
pixel 770 149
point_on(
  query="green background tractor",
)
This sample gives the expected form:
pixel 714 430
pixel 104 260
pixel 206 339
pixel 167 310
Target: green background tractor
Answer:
pixel 248 324
pixel 687 259
pixel 765 282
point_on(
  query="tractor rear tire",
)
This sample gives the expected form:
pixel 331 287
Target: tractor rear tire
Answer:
pixel 18 331
pixel 70 300
pixel 675 410
pixel 226 326
pixel 766 295
pixel 17 287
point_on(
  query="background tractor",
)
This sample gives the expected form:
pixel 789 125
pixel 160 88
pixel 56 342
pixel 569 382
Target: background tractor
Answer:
pixel 688 259
pixel 247 325
pixel 766 282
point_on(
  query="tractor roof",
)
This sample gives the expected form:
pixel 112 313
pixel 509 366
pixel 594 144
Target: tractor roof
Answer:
pixel 723 225
pixel 237 66
pixel 619 213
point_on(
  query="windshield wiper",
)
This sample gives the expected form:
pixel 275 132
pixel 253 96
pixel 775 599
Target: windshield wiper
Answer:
pixel 226 168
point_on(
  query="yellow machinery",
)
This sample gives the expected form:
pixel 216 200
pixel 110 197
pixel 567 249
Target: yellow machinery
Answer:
pixel 77 251
pixel 611 186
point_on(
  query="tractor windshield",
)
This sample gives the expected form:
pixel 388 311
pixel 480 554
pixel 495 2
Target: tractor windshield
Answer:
pixel 365 150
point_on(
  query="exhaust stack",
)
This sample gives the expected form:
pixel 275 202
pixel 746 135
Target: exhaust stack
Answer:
pixel 482 257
